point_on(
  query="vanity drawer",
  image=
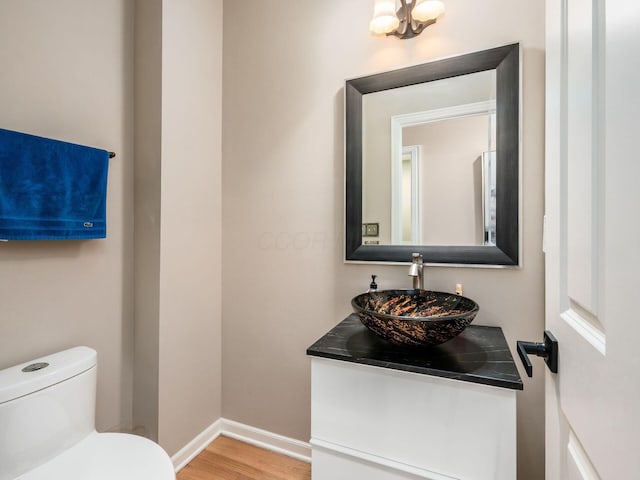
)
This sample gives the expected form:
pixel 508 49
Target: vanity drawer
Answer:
pixel 415 424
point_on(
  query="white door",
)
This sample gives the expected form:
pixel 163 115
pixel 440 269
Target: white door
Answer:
pixel 592 239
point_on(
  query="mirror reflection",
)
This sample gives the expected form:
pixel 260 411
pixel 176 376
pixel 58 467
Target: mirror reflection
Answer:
pixel 425 147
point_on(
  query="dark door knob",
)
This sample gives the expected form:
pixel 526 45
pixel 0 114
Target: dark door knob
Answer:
pixel 547 349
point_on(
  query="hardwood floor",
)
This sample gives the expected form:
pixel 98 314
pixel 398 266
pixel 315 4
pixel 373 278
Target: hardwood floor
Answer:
pixel 229 459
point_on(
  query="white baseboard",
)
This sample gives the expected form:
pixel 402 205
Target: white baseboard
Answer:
pixel 245 433
pixel 197 445
pixel 269 440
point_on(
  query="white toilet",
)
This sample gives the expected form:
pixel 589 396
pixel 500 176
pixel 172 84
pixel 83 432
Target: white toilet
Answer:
pixel 47 426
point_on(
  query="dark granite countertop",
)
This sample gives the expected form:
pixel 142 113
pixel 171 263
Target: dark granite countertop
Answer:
pixel 479 354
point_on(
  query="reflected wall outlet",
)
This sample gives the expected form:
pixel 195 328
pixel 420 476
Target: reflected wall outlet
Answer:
pixel 370 229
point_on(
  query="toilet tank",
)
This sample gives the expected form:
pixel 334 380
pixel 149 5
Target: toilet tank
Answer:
pixel 46 406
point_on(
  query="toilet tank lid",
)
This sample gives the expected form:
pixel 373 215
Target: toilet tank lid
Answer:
pixel 15 383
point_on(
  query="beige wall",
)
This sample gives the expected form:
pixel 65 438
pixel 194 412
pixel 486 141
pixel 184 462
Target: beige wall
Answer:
pixel 190 238
pixel 67 73
pixel 147 210
pixel 451 178
pixel 285 283
pixel 178 215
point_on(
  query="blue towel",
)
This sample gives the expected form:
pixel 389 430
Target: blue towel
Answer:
pixel 51 190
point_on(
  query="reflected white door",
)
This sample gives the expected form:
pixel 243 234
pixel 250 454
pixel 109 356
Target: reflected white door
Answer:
pixel 592 239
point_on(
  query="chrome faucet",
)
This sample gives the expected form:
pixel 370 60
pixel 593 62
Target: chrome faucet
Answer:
pixel 417 271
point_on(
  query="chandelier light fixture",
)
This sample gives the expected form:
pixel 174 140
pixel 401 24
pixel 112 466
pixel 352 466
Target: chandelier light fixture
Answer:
pixel 408 21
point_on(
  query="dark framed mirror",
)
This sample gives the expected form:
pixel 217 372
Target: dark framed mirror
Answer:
pixel 374 234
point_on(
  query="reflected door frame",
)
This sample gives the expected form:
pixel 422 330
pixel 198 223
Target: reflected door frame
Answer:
pixel 411 154
pixel 398 152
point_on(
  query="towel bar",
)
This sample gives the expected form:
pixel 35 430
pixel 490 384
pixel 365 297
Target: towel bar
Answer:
pixel 112 154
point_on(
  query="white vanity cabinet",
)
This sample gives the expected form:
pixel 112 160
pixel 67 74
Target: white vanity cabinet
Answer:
pixel 380 412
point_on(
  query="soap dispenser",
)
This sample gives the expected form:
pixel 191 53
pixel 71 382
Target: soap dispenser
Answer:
pixel 373 286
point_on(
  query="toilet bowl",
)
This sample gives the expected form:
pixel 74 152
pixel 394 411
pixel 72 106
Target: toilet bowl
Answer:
pixel 47 426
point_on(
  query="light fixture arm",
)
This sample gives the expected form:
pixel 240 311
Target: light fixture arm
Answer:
pixel 409 27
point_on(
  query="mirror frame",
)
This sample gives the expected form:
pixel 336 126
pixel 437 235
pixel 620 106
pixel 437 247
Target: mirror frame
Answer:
pixel 506 61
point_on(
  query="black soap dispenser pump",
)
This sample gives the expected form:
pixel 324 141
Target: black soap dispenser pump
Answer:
pixel 373 286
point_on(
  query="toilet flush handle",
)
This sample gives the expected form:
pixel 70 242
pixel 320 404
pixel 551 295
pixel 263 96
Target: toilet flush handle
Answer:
pixel 34 367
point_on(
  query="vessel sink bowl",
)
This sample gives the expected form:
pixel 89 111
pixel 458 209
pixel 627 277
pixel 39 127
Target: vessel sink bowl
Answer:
pixel 415 317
